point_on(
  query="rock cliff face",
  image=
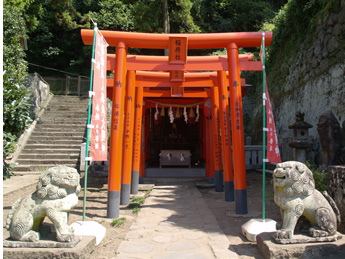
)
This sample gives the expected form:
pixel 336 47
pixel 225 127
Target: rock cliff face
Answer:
pixel 315 82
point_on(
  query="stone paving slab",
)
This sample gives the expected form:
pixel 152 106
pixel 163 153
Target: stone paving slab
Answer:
pixel 175 222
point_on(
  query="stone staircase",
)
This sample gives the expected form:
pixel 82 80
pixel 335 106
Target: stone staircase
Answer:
pixel 56 138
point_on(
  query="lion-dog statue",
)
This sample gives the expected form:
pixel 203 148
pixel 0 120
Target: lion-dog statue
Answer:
pixel 56 194
pixel 295 194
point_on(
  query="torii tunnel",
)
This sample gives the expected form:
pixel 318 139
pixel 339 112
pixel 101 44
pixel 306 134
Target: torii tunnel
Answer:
pixel 178 80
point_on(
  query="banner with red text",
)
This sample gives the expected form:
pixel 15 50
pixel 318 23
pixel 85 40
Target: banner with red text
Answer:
pixel 273 154
pixel 99 136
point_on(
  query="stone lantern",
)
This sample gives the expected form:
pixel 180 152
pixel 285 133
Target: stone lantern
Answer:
pixel 300 138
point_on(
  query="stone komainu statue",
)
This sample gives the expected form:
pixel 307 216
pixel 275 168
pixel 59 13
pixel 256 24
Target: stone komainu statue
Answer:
pixel 295 194
pixel 56 194
pixel 331 139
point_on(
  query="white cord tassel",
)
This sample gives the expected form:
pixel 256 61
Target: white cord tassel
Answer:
pixel 171 115
pixel 197 113
pixel 157 112
pixel 185 114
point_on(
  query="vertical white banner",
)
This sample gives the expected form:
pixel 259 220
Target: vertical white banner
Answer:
pixel 99 135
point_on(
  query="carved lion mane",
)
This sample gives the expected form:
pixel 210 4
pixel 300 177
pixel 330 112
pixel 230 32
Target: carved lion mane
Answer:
pixel 56 194
pixel 295 194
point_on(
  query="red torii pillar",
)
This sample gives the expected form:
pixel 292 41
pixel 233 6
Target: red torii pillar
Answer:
pixel 128 139
pixel 209 150
pixel 137 139
pixel 237 129
pixel 116 132
pixel 217 153
pixel 226 140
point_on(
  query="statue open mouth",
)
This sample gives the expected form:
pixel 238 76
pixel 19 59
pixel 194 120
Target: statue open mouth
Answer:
pixel 280 177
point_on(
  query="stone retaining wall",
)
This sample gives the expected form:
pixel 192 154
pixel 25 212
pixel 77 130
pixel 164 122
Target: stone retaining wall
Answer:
pixel 314 82
pixel 39 92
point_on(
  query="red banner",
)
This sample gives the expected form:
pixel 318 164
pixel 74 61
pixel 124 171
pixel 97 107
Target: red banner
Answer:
pixel 99 136
pixel 273 154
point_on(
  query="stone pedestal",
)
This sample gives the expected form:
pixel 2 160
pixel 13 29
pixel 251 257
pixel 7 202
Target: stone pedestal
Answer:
pixel 82 250
pixel 329 250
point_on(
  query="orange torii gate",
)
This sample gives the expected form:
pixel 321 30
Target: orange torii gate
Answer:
pixel 177 64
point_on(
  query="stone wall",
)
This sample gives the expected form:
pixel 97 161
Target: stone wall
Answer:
pixel 39 92
pixel 336 189
pixel 315 82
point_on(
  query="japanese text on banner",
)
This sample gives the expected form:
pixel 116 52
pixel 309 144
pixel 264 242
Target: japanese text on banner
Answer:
pixel 273 154
pixel 99 136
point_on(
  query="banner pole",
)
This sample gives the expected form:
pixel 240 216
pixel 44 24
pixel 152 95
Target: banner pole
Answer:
pixel 88 121
pixel 264 128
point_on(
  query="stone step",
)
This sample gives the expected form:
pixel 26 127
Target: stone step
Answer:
pixel 58 142
pixel 52 150
pixel 69 106
pixel 65 155
pixel 71 115
pixel 43 134
pixel 69 99
pixel 80 130
pixel 39 167
pixel 46 161
pixel 55 137
pixel 63 104
pixel 64 120
pixel 54 126
pixel 52 147
pixel 22 173
pixel 62 124
pixel 60 108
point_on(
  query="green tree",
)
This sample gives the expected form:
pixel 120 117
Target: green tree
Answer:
pixel 113 15
pixel 231 16
pixel 16 114
pixel 56 41
pixel 148 16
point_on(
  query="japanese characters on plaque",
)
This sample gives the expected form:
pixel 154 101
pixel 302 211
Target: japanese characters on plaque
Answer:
pixel 178 50
pixel 99 136
pixel 178 47
pixel 177 91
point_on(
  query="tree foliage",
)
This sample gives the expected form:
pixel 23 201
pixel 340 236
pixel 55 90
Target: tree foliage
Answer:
pixel 54 26
pixel 113 15
pixel 16 114
pixel 229 16
pixel 55 41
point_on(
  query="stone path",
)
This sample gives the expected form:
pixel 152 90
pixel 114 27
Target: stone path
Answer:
pixel 175 222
